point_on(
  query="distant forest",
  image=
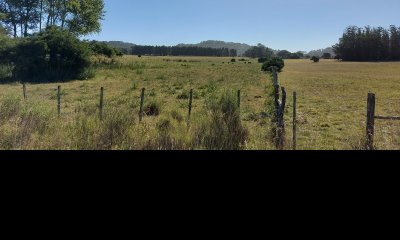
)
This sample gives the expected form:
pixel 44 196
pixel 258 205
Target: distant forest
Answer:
pixel 369 44
pixel 215 48
pixel 182 51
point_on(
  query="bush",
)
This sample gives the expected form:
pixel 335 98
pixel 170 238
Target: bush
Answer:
pixel 262 60
pixel 315 59
pixel 233 60
pixel 101 48
pixel 276 62
pixel 152 109
pixel 53 55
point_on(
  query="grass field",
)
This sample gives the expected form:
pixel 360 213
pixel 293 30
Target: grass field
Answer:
pixel 331 96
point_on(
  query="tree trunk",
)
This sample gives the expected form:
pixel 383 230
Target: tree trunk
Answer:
pixel 41 15
pixel 15 30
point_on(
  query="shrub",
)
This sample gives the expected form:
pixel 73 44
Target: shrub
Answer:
pixel 275 62
pixel 101 48
pixel 152 109
pixel 233 60
pixel 53 55
pixel 315 59
pixel 262 60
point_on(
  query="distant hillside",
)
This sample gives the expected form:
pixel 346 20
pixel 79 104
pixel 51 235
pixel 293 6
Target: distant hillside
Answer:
pixel 240 47
pixel 121 45
pixel 320 52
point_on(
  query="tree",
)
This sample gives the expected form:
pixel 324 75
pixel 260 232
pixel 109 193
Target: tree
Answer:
pixel 269 53
pixel 300 54
pixel 259 51
pixel 85 16
pixel 51 56
pixel 29 15
pixel 182 51
pixel 80 17
pixel 369 44
pixel 315 59
pixel 275 62
pixel 3 30
pixel 284 54
pixel 326 56
pixel 11 10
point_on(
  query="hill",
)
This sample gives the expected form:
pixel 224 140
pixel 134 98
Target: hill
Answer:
pixel 240 47
pixel 120 45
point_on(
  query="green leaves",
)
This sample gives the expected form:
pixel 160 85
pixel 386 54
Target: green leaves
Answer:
pixel 52 56
pixel 276 62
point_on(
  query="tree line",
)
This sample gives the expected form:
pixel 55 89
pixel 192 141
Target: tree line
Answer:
pixel 40 39
pixel 182 51
pixel 22 18
pixel 261 51
pixel 369 44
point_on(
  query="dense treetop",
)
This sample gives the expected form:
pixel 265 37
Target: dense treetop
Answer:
pixel 24 17
pixel 369 44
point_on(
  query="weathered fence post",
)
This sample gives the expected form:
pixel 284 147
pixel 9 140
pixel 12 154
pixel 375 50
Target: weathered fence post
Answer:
pixel 239 98
pixel 141 105
pixel 281 122
pixel 101 103
pixel 276 88
pixel 275 76
pixel 294 120
pixel 24 90
pixel 279 111
pixel 370 121
pixel 59 100
pixel 190 104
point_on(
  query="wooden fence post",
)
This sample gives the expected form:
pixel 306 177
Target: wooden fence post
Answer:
pixel 370 121
pixel 294 120
pixel 141 105
pixel 281 122
pixel 59 100
pixel 101 103
pixel 190 104
pixel 275 76
pixel 276 94
pixel 24 90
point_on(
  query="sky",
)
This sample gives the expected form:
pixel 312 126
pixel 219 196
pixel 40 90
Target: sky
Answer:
pixel 279 24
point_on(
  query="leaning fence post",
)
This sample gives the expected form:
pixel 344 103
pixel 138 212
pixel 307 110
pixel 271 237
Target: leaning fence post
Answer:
pixel 294 120
pixel 276 93
pixel 190 104
pixel 59 100
pixel 370 121
pixel 101 103
pixel 24 90
pixel 141 105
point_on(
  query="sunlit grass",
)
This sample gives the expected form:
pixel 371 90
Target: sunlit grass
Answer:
pixel 331 105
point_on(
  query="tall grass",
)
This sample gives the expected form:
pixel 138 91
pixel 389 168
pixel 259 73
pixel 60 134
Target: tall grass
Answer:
pixel 223 129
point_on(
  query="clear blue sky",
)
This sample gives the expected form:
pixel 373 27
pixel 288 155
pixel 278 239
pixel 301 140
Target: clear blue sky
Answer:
pixel 279 24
